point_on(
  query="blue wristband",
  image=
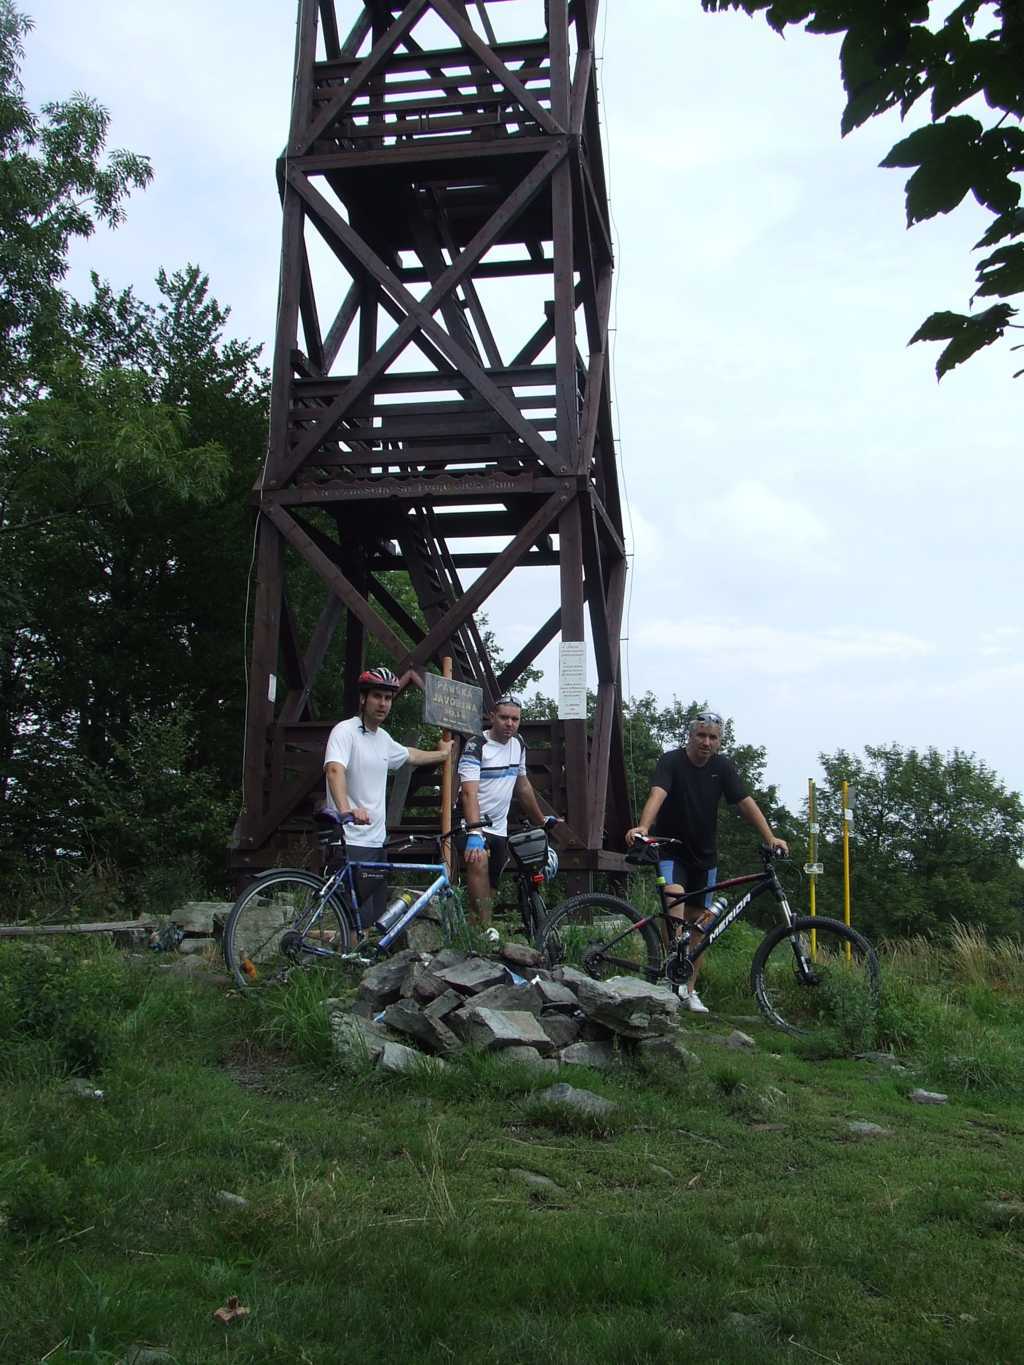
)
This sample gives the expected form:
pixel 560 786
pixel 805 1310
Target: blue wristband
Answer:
pixel 475 841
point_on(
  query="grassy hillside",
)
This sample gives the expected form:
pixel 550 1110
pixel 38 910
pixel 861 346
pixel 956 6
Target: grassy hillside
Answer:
pixel 728 1213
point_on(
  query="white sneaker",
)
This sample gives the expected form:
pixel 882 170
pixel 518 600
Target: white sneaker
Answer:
pixel 691 1001
pixel 492 936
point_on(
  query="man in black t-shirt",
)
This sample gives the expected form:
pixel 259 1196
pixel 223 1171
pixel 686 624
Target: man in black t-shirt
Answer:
pixel 683 804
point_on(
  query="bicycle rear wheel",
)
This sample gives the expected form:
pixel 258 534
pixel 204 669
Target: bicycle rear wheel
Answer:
pixel 817 976
pixel 602 936
pixel 274 928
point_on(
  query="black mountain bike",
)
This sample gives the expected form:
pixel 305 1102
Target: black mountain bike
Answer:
pixel 808 975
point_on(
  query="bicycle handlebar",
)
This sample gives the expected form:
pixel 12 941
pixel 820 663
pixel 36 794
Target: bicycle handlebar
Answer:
pixel 768 852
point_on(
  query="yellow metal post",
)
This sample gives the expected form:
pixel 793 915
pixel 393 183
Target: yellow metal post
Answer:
pixel 812 858
pixel 846 857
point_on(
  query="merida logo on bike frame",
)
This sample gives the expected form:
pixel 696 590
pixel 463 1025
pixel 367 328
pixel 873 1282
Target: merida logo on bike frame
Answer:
pixel 726 920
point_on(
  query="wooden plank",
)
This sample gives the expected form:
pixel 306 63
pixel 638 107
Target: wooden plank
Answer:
pixel 286 335
pixel 336 580
pixel 395 610
pixel 308 312
pixel 580 90
pixel 354 41
pixel 565 313
pixel 295 706
pixel 496 573
pixel 521 50
pixel 329 28
pixel 496 66
pixel 259 711
pixel 305 56
pixel 340 326
pixel 570 544
pixel 321 162
pixel 120 926
pixel 454 487
pixel 420 315
pixel 558 37
pixel 380 51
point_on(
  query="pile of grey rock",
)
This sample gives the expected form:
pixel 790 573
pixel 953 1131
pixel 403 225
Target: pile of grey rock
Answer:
pixel 435 1004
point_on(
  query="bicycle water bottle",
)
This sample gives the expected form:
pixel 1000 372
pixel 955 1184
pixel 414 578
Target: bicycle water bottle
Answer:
pixel 396 910
pixel 710 916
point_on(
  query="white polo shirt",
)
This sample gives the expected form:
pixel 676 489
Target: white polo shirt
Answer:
pixel 367 757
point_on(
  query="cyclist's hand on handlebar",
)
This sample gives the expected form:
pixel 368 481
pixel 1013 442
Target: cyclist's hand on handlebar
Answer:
pixel 778 848
pixel 637 832
pixel 476 848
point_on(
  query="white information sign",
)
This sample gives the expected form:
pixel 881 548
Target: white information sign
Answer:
pixel 572 680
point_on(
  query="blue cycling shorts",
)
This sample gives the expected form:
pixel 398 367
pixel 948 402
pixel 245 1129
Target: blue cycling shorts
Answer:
pixel 682 874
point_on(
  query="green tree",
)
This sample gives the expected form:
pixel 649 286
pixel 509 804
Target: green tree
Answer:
pixel 897 52
pixel 56 185
pixel 127 545
pixel 935 838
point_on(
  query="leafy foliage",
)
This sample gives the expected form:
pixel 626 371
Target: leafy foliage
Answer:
pixel 936 840
pixel 131 434
pixel 893 54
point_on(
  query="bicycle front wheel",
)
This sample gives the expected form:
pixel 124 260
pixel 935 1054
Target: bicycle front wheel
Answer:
pixel 602 936
pixel 818 976
pixel 280 924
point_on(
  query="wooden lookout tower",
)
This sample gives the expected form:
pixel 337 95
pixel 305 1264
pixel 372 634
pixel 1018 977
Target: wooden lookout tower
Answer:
pixel 440 400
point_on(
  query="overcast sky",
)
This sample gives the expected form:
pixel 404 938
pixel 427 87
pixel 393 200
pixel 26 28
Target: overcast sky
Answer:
pixel 826 540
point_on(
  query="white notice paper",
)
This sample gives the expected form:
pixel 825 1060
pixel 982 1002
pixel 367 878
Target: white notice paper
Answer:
pixel 572 680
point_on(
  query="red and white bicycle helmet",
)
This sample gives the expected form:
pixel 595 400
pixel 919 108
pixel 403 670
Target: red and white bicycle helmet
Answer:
pixel 378 679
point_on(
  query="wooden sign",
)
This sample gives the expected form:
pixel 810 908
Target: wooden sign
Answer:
pixel 453 705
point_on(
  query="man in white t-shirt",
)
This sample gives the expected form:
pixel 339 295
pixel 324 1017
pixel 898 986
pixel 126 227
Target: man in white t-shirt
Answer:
pixel 492 770
pixel 360 754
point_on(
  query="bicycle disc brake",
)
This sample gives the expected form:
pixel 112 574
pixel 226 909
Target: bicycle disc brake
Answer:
pixel 678 969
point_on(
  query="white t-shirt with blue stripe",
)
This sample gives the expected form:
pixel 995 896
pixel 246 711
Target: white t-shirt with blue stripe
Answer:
pixel 496 767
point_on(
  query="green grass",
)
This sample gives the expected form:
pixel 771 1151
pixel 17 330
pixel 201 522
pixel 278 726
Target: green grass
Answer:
pixel 387 1222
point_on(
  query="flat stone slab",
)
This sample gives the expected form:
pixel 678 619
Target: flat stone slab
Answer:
pixel 861 1128
pixel 527 1056
pixel 495 1029
pixel 202 916
pixel 541 1183
pixel 405 1016
pixel 444 1005
pixel 1005 1209
pixel 556 997
pixel 356 1038
pixel 232 1201
pixel 398 1057
pixel 928 1097
pixel 562 1029
pixel 473 975
pixel 382 983
pixel 581 1101
pixel 669 1048
pixel 625 1004
pixel 519 955
pixel 598 1055
pixel 507 996
pixel 737 1039
pixel 422 985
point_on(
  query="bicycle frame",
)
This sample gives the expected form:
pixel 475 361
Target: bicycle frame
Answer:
pixel 760 882
pixel 343 879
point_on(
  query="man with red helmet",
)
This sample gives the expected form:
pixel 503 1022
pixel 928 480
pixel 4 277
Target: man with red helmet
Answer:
pixel 360 754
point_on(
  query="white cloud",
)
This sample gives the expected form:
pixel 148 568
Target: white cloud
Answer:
pixel 778 650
